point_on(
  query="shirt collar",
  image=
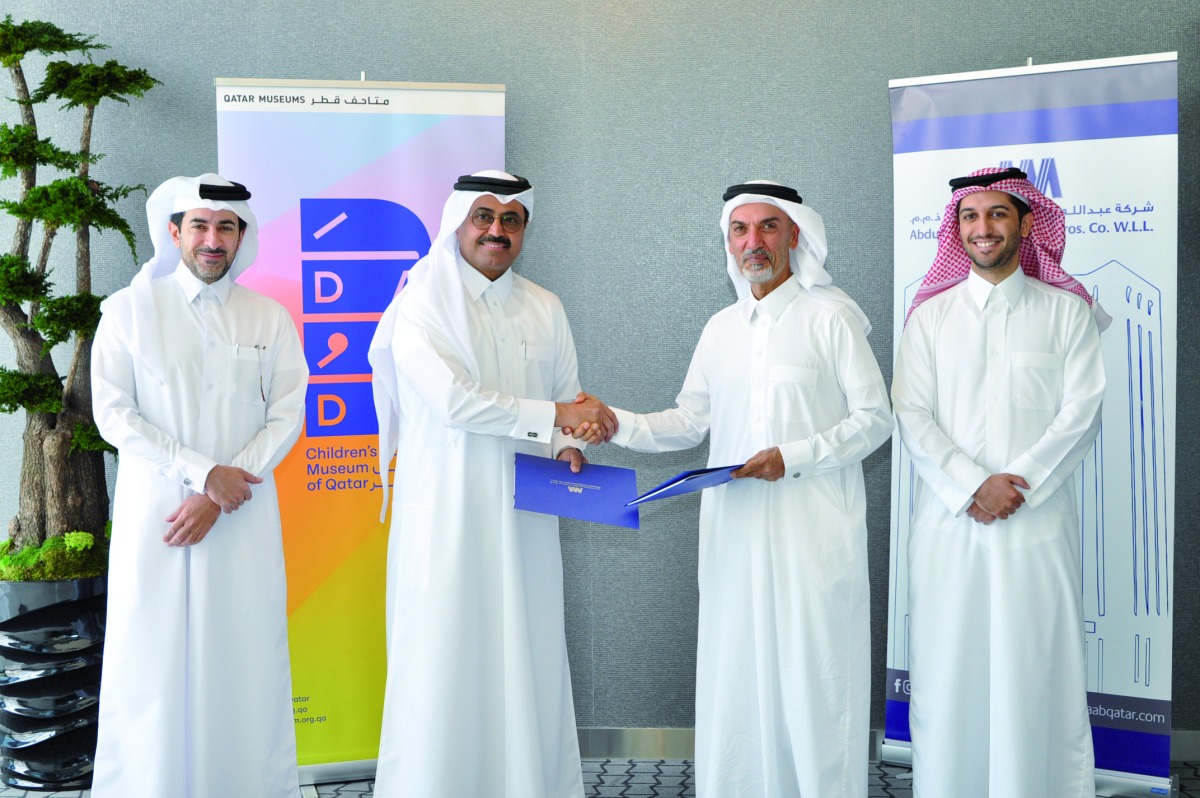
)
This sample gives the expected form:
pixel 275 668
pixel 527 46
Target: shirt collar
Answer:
pixel 193 285
pixel 1010 288
pixel 774 303
pixel 476 284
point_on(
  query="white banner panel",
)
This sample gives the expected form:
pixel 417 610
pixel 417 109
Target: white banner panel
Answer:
pixel 1100 137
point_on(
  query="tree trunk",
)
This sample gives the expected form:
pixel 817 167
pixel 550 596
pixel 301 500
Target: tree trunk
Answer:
pixel 28 176
pixel 61 491
pixel 76 491
pixel 27 342
pixel 29 525
pixel 77 393
pixel 83 241
pixel 83 260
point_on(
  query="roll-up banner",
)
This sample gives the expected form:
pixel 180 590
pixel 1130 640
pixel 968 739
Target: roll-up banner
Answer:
pixel 348 181
pixel 1101 139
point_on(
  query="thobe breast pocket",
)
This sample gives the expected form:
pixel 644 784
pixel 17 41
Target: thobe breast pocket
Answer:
pixel 247 373
pixel 790 395
pixel 1036 380
pixel 539 366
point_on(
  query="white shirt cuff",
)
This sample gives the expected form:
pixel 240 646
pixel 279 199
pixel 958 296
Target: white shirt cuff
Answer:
pixel 535 421
pixel 798 459
pixel 194 468
pixel 1035 474
pixel 564 442
pixel 625 422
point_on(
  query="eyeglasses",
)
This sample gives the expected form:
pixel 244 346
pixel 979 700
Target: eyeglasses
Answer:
pixel 483 219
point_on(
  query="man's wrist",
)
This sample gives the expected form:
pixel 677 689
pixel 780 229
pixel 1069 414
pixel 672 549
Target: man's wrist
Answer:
pixel 193 469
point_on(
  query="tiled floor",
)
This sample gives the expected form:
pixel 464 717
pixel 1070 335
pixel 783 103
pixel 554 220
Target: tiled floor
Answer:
pixel 654 778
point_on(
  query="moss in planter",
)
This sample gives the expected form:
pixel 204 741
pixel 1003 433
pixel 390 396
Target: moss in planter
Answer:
pixel 75 555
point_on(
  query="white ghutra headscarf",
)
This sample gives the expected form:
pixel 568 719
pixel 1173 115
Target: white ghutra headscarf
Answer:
pixel 807 259
pixel 181 194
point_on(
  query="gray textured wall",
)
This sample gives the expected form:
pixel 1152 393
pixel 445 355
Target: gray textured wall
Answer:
pixel 631 118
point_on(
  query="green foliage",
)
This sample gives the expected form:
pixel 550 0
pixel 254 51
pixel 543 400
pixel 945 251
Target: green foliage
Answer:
pixel 86 438
pixel 18 39
pixel 88 84
pixel 19 282
pixel 60 317
pixel 20 148
pixel 79 542
pixel 37 393
pixel 74 202
pixel 75 555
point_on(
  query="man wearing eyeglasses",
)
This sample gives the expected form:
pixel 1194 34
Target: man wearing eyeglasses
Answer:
pixel 473 364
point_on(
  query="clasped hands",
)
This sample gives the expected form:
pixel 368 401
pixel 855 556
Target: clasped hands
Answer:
pixel 997 497
pixel 226 489
pixel 586 419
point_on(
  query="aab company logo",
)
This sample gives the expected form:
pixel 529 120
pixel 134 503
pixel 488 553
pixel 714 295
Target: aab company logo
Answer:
pixel 1044 176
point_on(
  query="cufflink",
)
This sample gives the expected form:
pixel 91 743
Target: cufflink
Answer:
pixel 531 434
pixel 187 482
pixel 796 475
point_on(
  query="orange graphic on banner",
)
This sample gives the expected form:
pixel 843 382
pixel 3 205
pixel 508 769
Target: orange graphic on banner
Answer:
pixel 324 527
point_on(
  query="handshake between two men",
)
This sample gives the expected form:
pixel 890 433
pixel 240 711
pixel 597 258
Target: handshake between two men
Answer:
pixel 586 419
pixel 589 420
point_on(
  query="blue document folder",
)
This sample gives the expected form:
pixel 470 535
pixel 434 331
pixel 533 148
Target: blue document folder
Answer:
pixel 597 493
pixel 689 482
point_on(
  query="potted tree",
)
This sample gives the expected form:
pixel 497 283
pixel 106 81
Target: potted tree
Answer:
pixel 52 583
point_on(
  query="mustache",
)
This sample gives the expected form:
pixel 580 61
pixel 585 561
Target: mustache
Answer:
pixel 211 251
pixel 490 239
pixel 753 252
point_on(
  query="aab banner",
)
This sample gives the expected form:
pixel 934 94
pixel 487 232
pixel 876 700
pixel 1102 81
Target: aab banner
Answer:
pixel 348 182
pixel 1100 138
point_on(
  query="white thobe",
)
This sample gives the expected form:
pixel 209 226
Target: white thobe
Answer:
pixel 478 700
pixel 783 688
pixel 195 697
pixel 1004 379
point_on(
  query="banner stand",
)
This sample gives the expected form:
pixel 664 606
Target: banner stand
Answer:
pixel 1101 139
pixel 348 181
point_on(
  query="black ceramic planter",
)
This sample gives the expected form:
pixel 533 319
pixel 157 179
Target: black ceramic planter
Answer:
pixel 51 641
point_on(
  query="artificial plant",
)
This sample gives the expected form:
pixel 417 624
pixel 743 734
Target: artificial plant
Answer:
pixel 62 487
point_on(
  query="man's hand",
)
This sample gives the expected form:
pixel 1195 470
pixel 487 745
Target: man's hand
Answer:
pixel 191 521
pixel 587 419
pixel 229 486
pixel 575 457
pixel 980 515
pixel 998 495
pixel 767 464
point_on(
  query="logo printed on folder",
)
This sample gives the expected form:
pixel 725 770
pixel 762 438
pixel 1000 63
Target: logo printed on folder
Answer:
pixel 597 493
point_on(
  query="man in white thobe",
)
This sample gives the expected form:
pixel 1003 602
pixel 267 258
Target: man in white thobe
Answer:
pixel 473 364
pixel 997 392
pixel 199 383
pixel 787 383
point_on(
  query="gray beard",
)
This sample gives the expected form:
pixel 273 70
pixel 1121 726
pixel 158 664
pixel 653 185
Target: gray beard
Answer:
pixel 755 276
